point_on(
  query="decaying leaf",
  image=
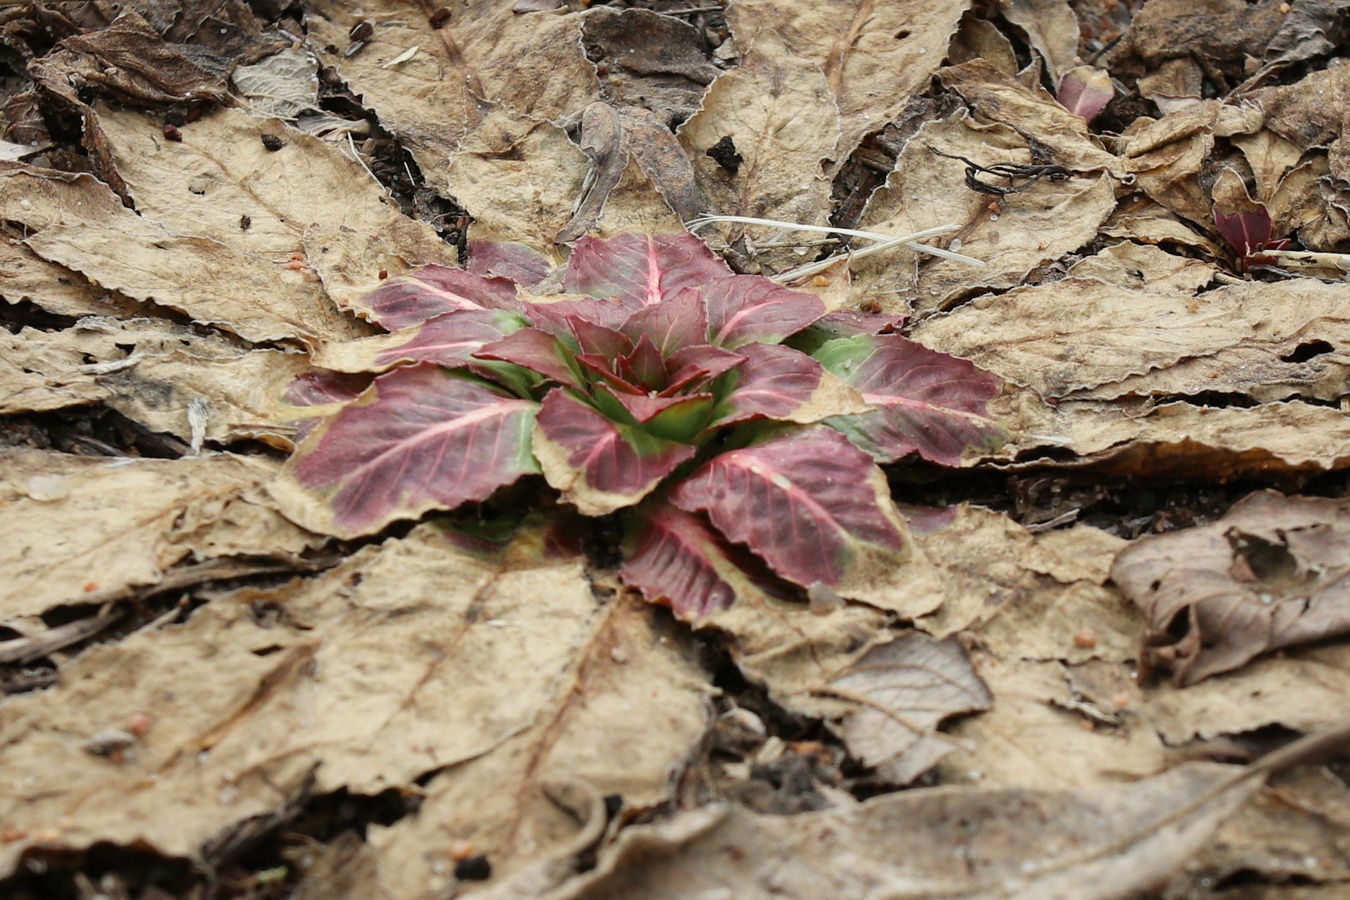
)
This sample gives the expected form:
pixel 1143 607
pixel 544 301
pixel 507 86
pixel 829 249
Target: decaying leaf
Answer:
pixel 905 689
pixel 1092 842
pixel 1265 576
pixel 77 527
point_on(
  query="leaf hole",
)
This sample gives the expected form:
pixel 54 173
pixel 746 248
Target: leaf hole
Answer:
pixel 902 34
pixel 1306 351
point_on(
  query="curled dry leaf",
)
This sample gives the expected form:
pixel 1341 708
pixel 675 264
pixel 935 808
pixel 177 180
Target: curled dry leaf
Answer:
pixel 1101 842
pixel 1267 575
pixel 904 690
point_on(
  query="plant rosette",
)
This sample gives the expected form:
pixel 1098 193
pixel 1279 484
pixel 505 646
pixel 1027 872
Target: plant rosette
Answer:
pixel 733 424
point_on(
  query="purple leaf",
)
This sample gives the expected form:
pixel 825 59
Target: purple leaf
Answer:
pixel 452 339
pixel 556 318
pixel 747 308
pixel 700 362
pixel 640 268
pixel 323 387
pixel 774 383
pixel 434 291
pixel 672 325
pixel 515 261
pixel 599 340
pixel 810 504
pixel 923 400
pixel 679 560
pixel 644 365
pixel 420 438
pixel 599 465
pixel 1085 91
pixel 536 350
pixel 1245 232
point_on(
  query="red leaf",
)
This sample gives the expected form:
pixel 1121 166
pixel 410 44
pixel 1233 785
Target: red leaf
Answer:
pixel 420 438
pixel 640 268
pixel 452 339
pixel 434 291
pixel 557 318
pixel 600 465
pixel 678 560
pixel 644 366
pixel 700 362
pixel 1245 232
pixel 924 401
pixel 672 325
pixel 810 504
pixel 773 383
pixel 599 340
pixel 747 308
pixel 536 350
pixel 515 261
pixel 322 387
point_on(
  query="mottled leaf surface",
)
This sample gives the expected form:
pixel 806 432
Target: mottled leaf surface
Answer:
pixel 640 267
pixel 680 560
pixel 925 402
pixel 747 308
pixel 434 291
pixel 806 503
pixel 599 465
pixel 420 438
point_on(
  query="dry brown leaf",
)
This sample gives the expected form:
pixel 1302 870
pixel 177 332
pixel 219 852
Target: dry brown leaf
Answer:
pixel 267 707
pixel 1045 731
pixel 1052 29
pixel 1141 218
pixel 1100 842
pixel 1176 440
pixel 55 289
pixel 875 56
pixel 79 223
pixel 1131 265
pixel 652 61
pixel 1011 235
pixel 154 372
pixel 273 205
pixel 904 689
pixel 782 121
pixel 76 527
pixel 284 84
pixel 626 713
pixel 1302 689
pixel 518 178
pixel 1029 596
pixel 980 39
pixel 1265 576
pixel 484 53
pixel 1166 156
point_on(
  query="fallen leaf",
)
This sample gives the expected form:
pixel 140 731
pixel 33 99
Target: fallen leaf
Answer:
pixel 777 111
pixel 69 519
pixel 1052 29
pixel 1265 576
pixel 904 690
pixel 1092 842
pixel 284 84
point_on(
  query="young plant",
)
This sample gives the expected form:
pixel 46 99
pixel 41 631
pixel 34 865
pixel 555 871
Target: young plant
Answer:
pixel 1248 233
pixel 731 422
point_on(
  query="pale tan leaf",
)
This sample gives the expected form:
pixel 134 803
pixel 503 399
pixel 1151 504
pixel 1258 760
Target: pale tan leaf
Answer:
pixel 875 56
pixel 1011 235
pixel 1052 29
pixel 284 84
pixel 518 178
pixel 1029 596
pixel 275 205
pixel 76 527
pixel 623 716
pixel 53 288
pixel 781 119
pixel 265 707
pixel 980 39
pixel 1101 842
pixel 904 689
pixel 79 223
pixel 533 65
